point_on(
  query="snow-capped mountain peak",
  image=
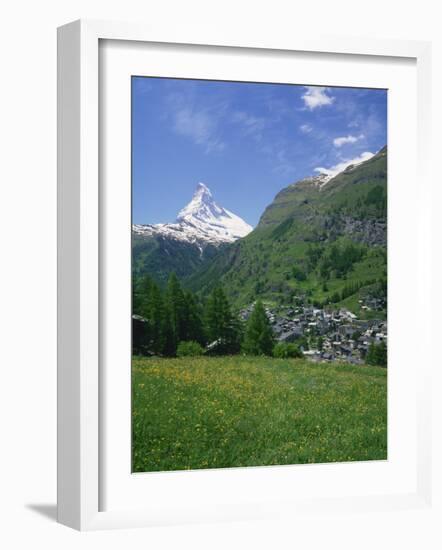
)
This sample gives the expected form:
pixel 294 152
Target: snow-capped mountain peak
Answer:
pixel 202 205
pixel 201 220
pixel 202 191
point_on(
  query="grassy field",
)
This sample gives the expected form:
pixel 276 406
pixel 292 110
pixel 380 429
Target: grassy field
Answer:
pixel 225 412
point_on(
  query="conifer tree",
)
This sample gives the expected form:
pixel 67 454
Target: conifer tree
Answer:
pixel 144 306
pixel 169 337
pixel 193 329
pixel 151 308
pixel 157 319
pixel 175 298
pixel 144 295
pixel 175 312
pixel 213 315
pixel 136 296
pixel 259 339
pixel 222 326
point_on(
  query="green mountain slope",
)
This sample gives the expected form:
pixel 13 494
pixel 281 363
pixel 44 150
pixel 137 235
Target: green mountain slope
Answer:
pixel 315 243
pixel 159 256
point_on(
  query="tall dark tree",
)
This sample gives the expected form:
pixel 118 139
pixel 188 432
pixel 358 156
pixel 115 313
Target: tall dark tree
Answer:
pixel 142 293
pixel 136 296
pixel 259 339
pixel 193 329
pixel 175 312
pixel 223 327
pixel 157 319
pixel 143 299
pixel 150 306
pixel 214 319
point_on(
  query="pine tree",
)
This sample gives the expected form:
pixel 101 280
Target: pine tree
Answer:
pixel 140 328
pixel 193 328
pixel 157 319
pixel 136 296
pixel 235 334
pixel 213 315
pixel 151 308
pixel 222 325
pixel 144 309
pixel 259 339
pixel 168 334
pixel 175 313
pixel 144 295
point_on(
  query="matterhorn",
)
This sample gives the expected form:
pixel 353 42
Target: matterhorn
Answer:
pixel 200 222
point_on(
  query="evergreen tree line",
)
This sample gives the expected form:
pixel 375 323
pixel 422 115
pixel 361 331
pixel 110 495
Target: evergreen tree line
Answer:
pixel 167 320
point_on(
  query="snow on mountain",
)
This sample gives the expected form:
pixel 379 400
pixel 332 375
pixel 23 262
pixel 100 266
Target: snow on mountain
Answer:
pixel 317 181
pixel 328 174
pixel 201 221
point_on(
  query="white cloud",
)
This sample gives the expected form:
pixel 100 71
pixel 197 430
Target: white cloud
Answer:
pixel 199 126
pixel 316 96
pixel 340 141
pixel 305 128
pixel 334 170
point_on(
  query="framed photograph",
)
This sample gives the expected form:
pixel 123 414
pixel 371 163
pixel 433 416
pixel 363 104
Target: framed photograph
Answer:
pixel 238 274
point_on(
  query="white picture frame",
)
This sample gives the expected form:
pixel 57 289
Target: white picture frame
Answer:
pixel 79 273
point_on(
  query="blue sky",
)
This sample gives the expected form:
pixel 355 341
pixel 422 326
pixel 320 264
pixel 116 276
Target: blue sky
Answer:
pixel 245 141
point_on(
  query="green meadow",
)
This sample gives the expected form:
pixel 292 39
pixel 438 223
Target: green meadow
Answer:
pixel 233 411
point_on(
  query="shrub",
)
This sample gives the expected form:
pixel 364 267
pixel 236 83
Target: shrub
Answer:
pixel 189 349
pixel 377 354
pixel 299 274
pixel 284 350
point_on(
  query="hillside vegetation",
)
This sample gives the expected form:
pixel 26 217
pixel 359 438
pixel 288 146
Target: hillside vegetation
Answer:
pixel 159 257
